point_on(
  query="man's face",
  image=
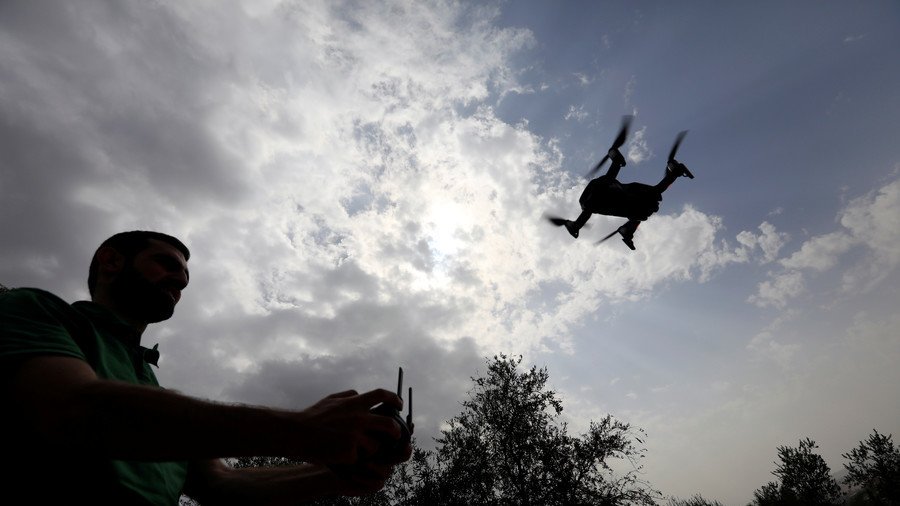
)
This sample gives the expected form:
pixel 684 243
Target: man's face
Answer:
pixel 149 287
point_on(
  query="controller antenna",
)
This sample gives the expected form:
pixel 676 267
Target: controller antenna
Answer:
pixel 409 421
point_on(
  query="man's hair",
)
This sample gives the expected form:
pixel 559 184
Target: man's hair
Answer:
pixel 129 244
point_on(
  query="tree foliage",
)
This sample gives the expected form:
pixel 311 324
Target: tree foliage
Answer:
pixel 768 495
pixel 695 500
pixel 508 447
pixel 874 466
pixel 804 479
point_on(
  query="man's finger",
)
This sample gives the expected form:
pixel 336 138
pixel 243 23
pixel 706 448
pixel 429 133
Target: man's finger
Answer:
pixel 345 393
pixel 366 446
pixel 379 395
pixel 383 424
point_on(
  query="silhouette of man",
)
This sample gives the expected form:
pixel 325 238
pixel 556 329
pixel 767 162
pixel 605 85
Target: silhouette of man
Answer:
pixel 635 201
pixel 85 420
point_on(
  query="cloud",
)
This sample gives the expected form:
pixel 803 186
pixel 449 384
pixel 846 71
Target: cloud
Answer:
pixel 769 344
pixel 870 223
pixel 629 89
pixel 576 113
pixel 778 290
pixel 638 149
pixel 583 79
pixel 820 253
pixel 770 241
pixel 874 221
pixel 759 248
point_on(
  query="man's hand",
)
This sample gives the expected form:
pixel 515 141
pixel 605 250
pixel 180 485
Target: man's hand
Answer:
pixel 367 477
pixel 340 429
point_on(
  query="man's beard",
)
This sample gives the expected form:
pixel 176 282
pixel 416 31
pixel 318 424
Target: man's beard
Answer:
pixel 140 299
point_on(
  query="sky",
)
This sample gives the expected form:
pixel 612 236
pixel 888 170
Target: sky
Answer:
pixel 362 186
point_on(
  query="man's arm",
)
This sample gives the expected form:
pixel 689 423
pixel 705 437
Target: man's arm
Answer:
pixel 212 482
pixel 67 405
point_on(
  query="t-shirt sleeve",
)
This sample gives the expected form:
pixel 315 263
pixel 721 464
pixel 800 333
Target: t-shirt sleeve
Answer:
pixel 34 322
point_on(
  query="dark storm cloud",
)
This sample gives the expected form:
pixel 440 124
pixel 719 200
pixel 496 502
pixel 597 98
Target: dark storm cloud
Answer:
pixel 439 377
pixel 358 347
pixel 102 103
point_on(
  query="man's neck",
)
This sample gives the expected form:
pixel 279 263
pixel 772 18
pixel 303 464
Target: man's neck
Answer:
pixel 139 326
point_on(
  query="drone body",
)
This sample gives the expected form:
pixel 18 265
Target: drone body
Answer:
pixel 635 201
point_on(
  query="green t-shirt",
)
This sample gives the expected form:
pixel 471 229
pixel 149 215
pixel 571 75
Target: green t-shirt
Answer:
pixel 33 323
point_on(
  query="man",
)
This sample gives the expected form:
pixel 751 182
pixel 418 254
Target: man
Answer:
pixel 86 422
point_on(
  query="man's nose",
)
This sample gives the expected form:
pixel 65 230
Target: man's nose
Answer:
pixel 179 280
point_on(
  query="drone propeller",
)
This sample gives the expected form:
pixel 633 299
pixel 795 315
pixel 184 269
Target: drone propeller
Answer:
pixel 678 140
pixel 614 232
pixel 674 164
pixel 620 140
pixel 556 220
pixel 559 222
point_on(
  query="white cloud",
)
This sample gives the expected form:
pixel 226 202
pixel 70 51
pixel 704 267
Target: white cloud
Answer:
pixel 769 344
pixel 874 220
pixel 629 89
pixel 770 241
pixel 778 290
pixel 759 248
pixel 583 79
pixel 820 253
pixel 638 149
pixel 870 223
pixel 576 113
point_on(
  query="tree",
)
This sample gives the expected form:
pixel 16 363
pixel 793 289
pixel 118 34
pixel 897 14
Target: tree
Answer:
pixel 875 467
pixel 506 447
pixel 696 500
pixel 771 494
pixel 805 479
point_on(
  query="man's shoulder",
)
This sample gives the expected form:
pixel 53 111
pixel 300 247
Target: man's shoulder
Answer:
pixel 36 322
pixel 14 298
pixel 18 306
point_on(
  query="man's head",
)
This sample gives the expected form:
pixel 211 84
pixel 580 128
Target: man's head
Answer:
pixel 140 274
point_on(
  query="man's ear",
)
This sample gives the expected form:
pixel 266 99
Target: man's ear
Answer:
pixel 110 261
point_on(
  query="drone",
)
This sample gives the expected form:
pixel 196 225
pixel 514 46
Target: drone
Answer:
pixel 635 201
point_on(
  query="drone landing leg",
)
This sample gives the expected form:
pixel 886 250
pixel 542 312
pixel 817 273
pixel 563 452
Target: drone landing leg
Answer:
pixel 574 226
pixel 630 227
pixel 582 219
pixel 627 230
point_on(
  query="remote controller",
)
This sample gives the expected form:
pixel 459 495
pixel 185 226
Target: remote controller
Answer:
pixel 390 448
